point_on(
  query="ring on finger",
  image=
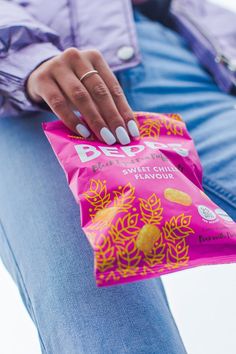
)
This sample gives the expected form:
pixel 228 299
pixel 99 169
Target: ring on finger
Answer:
pixel 87 74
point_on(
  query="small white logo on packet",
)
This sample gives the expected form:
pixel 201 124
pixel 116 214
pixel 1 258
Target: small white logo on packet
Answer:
pixel 206 213
pixel 223 215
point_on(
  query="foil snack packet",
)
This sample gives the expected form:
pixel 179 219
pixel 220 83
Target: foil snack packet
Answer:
pixel 142 205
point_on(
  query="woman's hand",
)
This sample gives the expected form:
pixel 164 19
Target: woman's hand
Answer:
pixel 99 97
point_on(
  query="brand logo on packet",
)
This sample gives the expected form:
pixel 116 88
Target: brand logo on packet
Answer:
pixel 87 152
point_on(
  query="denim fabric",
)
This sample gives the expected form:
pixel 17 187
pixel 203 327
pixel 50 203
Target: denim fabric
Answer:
pixel 170 79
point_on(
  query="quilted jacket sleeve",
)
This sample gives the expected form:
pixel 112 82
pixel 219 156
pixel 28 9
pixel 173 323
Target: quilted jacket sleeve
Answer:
pixel 24 44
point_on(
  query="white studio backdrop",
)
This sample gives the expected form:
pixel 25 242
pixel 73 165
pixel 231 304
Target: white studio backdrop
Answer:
pixel 202 301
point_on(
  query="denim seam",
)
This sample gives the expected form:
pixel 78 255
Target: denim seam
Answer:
pixel 22 281
pixel 219 191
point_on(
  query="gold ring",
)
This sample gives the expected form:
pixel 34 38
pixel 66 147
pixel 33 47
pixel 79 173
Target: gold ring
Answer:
pixel 91 72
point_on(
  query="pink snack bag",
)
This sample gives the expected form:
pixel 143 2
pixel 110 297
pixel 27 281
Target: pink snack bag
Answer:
pixel 142 205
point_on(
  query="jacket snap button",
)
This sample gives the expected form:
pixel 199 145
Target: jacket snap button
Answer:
pixel 125 53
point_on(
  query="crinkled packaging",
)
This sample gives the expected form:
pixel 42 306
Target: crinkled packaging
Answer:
pixel 142 206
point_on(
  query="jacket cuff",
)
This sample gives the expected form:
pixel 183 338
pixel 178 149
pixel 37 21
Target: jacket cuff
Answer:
pixel 14 71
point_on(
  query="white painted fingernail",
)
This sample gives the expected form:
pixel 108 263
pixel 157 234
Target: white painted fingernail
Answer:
pixel 122 136
pixel 107 136
pixel 82 130
pixel 133 128
pixel 77 113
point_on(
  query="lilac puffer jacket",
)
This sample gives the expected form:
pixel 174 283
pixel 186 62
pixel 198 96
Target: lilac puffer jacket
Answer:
pixel 32 31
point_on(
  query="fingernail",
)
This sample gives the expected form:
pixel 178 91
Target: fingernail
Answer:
pixel 122 136
pixel 82 130
pixel 77 113
pixel 133 128
pixel 107 136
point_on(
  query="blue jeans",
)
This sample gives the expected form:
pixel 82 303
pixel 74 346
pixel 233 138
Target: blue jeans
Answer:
pixel 41 242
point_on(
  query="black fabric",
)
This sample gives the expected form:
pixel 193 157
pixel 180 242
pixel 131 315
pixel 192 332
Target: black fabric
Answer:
pixel 156 10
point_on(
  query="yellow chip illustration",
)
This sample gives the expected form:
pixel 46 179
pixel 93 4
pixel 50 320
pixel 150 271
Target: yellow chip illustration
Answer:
pixel 105 215
pixel 147 236
pixel 177 196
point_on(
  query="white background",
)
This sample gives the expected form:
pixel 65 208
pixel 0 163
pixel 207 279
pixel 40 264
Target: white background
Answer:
pixel 203 301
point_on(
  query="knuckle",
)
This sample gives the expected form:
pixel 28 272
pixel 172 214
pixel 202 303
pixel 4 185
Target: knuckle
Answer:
pixel 79 94
pixel 41 76
pixel 116 90
pixel 100 91
pixel 55 63
pixel 71 54
pixel 56 101
pixel 94 54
